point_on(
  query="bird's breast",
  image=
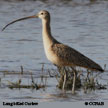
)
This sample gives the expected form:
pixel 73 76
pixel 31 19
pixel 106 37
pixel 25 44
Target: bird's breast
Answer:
pixel 51 56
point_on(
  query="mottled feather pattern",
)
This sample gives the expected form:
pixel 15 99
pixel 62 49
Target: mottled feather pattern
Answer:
pixel 71 56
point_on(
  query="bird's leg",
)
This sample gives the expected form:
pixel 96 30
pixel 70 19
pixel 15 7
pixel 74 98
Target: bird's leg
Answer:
pixel 64 82
pixel 73 85
pixel 65 79
pixel 74 80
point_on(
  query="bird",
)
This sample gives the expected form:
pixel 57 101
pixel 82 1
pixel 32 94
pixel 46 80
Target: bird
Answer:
pixel 58 53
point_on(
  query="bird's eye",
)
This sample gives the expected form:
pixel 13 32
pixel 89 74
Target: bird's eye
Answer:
pixel 41 13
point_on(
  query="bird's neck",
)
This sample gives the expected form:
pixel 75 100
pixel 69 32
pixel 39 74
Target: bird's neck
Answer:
pixel 46 32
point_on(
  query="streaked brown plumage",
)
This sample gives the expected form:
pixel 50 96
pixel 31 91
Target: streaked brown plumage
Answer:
pixel 70 57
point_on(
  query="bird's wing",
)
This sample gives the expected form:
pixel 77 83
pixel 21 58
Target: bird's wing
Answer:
pixel 68 54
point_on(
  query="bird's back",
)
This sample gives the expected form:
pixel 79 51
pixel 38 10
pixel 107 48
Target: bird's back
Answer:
pixel 70 57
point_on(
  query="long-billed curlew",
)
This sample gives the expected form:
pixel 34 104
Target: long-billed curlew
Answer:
pixel 58 53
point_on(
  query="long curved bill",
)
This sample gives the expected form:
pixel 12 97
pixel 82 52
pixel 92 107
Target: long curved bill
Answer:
pixel 34 16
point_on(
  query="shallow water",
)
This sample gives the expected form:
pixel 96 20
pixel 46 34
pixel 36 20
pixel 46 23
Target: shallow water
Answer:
pixel 79 23
pixel 48 94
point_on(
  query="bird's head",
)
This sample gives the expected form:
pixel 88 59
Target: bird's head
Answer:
pixel 44 15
